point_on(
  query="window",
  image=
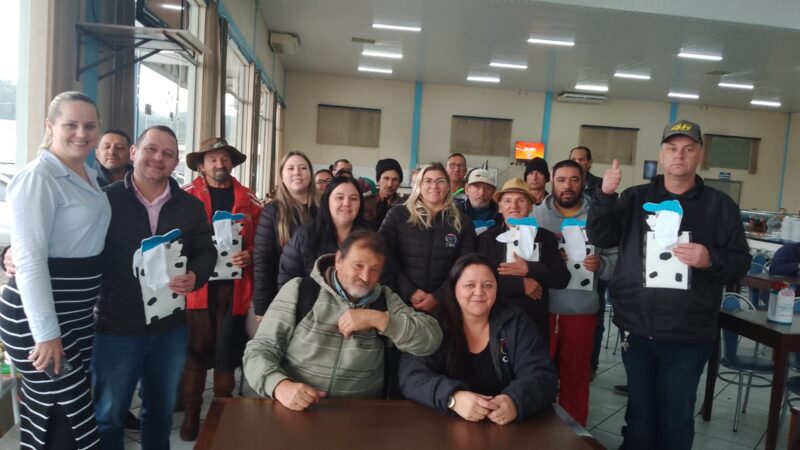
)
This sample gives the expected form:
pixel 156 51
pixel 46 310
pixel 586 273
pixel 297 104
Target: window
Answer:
pixel 9 69
pixel 610 143
pixel 235 99
pixel 264 155
pixel 731 152
pixel 344 125
pixel 165 95
pixel 480 135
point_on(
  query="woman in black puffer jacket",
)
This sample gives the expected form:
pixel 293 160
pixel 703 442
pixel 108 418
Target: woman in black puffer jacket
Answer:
pixel 341 212
pixel 295 204
pixel 425 235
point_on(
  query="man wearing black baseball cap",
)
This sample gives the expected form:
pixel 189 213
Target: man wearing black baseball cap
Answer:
pixel 668 321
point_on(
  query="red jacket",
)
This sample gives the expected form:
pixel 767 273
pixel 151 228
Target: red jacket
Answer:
pixel 243 202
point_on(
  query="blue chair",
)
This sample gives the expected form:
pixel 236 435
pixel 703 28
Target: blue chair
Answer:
pixel 746 371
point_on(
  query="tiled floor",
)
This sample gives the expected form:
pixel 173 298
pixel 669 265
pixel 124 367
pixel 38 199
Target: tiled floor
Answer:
pixel 606 413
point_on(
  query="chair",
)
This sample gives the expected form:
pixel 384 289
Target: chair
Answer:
pixel 745 371
pixel 610 310
pixel 759 264
pixel 10 385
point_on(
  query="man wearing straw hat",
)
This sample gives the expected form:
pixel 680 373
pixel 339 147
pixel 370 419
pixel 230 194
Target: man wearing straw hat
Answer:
pixel 217 311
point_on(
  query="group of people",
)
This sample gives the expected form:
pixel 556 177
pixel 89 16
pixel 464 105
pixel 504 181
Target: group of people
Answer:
pixel 476 301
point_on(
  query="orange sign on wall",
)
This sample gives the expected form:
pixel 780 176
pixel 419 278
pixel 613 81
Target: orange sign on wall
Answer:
pixel 528 150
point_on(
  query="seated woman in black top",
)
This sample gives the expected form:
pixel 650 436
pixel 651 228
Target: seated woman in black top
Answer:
pixel 340 213
pixel 492 364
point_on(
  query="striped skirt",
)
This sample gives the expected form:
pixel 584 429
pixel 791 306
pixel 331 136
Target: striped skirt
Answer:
pixel 76 283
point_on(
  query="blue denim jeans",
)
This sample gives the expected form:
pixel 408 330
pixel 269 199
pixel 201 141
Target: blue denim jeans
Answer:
pixel 662 389
pixel 118 363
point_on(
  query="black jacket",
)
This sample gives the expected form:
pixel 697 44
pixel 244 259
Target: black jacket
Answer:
pixel 592 185
pixel 421 258
pixel 301 252
pixel 521 363
pixel 120 308
pixel 551 272
pixel 670 314
pixel 266 257
pixel 466 208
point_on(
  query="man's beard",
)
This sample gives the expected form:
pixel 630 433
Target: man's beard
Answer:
pixel 221 175
pixel 568 203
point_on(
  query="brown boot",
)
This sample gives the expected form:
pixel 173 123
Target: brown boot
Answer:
pixel 194 382
pixel 223 383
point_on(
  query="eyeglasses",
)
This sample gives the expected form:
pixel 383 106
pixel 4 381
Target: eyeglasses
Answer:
pixel 427 182
pixel 456 166
pixel 324 182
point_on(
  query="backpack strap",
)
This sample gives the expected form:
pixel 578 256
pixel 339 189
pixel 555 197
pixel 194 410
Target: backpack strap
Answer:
pixel 306 297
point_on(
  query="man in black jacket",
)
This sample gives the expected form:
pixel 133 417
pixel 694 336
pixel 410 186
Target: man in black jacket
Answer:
pixel 128 346
pixel 668 331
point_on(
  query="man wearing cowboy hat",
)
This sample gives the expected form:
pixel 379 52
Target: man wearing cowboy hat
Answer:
pixel 217 311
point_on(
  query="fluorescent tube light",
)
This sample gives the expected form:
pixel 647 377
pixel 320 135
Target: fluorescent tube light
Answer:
pixel 380 54
pixel 748 87
pixel 591 87
pixel 386 26
pixel 634 76
pixel 374 69
pixel 700 56
pixel 551 42
pixel 683 95
pixel 483 79
pixel 508 65
pixel 766 103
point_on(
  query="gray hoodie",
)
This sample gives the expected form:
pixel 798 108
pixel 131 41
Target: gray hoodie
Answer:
pixel 573 301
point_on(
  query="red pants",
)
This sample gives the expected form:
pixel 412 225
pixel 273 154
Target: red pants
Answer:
pixel 571 339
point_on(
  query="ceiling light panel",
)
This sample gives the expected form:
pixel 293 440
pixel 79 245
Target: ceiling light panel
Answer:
pixel 591 87
pixel 374 69
pixel 388 26
pixel 743 86
pixel 770 103
pixel 633 76
pixel 483 78
pixel 685 95
pixel 559 42
pixel 382 54
pixel 701 56
pixel 508 65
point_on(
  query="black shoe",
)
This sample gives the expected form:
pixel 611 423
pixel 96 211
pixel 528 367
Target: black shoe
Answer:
pixel 132 422
pixel 592 374
pixel 621 389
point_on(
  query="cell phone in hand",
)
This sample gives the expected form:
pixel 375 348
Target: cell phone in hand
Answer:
pixel 66 368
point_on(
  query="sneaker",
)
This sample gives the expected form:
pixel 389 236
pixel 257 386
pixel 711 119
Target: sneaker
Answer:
pixel 621 389
pixel 132 422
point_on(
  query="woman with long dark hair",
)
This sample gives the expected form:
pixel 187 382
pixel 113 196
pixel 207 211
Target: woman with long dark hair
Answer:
pixel 58 228
pixel 493 363
pixel 295 203
pixel 341 212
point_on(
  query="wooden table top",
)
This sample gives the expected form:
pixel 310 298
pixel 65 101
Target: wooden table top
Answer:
pixel 248 423
pixel 764 280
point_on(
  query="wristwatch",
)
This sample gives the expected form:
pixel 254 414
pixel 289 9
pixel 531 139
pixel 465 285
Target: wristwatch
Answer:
pixel 451 402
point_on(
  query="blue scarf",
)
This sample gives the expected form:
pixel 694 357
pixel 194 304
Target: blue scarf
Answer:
pixel 363 302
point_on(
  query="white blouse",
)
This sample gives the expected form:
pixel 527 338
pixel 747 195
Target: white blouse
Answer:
pixel 54 214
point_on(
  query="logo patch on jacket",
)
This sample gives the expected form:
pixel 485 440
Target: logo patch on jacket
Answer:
pixel 504 350
pixel 450 240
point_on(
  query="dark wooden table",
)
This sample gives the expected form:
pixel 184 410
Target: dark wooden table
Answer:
pixel 782 338
pixel 759 281
pixel 249 423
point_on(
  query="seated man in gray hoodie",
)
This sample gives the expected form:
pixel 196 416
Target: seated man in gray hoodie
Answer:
pixel 573 310
pixel 326 335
